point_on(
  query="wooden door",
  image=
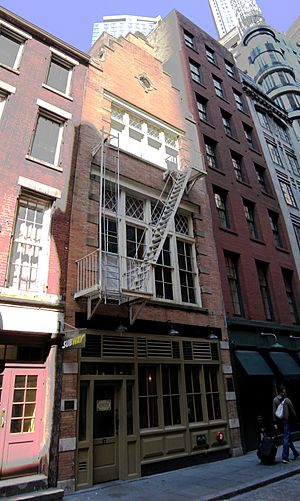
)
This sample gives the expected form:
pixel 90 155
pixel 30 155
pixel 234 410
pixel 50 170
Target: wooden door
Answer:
pixel 21 418
pixel 105 432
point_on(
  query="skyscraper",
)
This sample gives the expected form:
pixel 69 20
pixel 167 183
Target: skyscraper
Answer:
pixel 229 14
pixel 123 24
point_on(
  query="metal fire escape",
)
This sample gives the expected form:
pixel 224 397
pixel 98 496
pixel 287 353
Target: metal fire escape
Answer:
pixel 106 277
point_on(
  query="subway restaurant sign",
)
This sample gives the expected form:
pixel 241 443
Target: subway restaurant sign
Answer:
pixel 76 339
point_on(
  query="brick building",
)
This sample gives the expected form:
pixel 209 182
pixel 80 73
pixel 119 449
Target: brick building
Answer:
pixel 41 89
pixel 153 386
pixel 253 267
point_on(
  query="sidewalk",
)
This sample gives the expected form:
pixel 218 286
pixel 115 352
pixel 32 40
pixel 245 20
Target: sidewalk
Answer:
pixel 205 482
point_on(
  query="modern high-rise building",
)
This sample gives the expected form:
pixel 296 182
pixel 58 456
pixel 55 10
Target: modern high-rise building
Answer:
pixel 123 24
pixel 229 14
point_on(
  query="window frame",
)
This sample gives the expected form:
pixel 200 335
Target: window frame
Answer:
pixel 287 276
pixel 288 194
pixel 212 158
pixel 51 117
pixel 219 87
pixel 222 210
pixel 227 123
pixel 275 227
pixel 239 101
pixel 18 36
pixel 202 107
pixel 274 153
pixel 195 71
pixel 60 62
pixel 210 55
pixel 233 280
pixel 237 162
pixel 263 282
pixel 189 39
pixel 250 216
pixel 230 69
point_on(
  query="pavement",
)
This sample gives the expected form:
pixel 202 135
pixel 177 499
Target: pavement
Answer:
pixel 206 482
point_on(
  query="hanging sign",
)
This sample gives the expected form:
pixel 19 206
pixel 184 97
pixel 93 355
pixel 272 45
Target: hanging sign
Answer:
pixel 74 340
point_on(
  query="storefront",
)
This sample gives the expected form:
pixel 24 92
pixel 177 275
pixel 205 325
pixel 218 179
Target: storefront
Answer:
pixel 146 400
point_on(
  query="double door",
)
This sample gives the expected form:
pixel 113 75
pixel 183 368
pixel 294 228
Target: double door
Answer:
pixel 21 406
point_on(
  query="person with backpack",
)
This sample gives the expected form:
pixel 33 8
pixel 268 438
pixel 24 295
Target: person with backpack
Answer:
pixel 283 413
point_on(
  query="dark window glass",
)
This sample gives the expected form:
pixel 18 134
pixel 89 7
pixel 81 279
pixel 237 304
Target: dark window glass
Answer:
pixel 249 209
pixel 221 205
pixel 239 101
pixel 230 69
pixel 195 71
pixel 274 222
pixel 262 273
pixel 238 167
pixel 227 123
pixel 212 393
pixel 45 141
pixel 163 273
pixel 193 394
pixel 58 76
pixel 218 85
pixel 202 108
pixel 234 284
pixel 9 49
pixel 148 397
pixel 288 194
pixel 189 39
pixel 210 55
pixel 211 155
pixel 171 396
pixel 186 272
pixel 288 282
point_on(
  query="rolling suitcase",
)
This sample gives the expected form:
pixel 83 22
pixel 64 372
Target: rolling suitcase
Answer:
pixel 267 449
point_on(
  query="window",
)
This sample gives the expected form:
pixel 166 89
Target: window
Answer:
pixel 230 70
pixel 11 46
pixel 221 205
pixel 186 271
pixel 30 246
pixel 274 222
pixel 288 194
pixel 212 393
pixel 210 148
pixel 189 39
pixel 202 108
pixel 263 119
pixel 293 164
pixel 288 283
pixel 171 399
pixel 163 273
pixel 262 273
pixel 283 133
pixel 193 393
pixel 135 242
pixel 195 71
pixel 249 135
pixel 233 283
pixel 294 101
pixel 275 155
pixel 148 397
pixel 3 98
pixel 297 233
pixel 238 167
pixel 47 138
pixel 239 101
pixel 226 117
pixel 218 85
pixel 59 75
pixel 210 54
pixel 262 178
pixel 249 209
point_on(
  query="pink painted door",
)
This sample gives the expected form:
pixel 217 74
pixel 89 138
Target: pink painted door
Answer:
pixel 21 419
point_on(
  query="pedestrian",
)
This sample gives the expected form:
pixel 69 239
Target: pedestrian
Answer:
pixel 284 423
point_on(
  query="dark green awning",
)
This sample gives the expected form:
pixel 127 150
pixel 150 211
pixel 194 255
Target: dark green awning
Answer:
pixel 286 365
pixel 253 363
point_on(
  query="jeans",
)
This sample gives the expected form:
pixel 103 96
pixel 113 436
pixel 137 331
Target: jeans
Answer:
pixel 287 441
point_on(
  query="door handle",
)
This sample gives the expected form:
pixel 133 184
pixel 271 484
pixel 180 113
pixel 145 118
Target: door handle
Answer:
pixel 2 415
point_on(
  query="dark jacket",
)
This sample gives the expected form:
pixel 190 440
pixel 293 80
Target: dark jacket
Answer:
pixel 288 408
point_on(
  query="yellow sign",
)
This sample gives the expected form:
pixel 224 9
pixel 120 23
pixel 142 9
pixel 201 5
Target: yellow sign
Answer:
pixel 74 340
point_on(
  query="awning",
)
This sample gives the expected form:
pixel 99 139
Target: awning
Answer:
pixel 253 363
pixel 286 365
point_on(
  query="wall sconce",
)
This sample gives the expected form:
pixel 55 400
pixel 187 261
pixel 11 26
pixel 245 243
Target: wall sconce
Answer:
pixel 276 345
pixel 121 329
pixel 212 335
pixel 171 329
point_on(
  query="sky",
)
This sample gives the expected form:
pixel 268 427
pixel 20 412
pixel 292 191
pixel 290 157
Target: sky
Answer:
pixel 72 20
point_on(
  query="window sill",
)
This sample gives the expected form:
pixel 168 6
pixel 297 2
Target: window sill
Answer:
pixel 254 150
pixel 15 295
pixel 215 169
pixel 257 241
pixel 244 183
pixel 177 306
pixel 266 194
pixel 45 164
pixel 9 68
pixel 191 48
pixel 282 249
pixel 55 91
pixel 228 230
pixel 233 138
pixel 223 98
pixel 207 123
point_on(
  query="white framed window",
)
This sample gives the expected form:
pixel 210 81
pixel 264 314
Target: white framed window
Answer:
pixel 28 268
pixel 47 137
pixel 60 71
pixel 3 98
pixel 12 42
pixel 5 91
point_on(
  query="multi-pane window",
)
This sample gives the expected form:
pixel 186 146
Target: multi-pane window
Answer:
pixel 238 167
pixel 294 101
pixel 212 393
pixel 249 209
pixel 193 393
pixel 186 271
pixel 59 75
pixel 109 235
pixel 30 244
pixel 189 39
pixel 163 273
pixel 294 164
pixel 274 222
pixel 47 138
pixel 261 176
pixel 275 155
pixel 233 283
pixel 249 135
pixel 283 133
pixel 11 47
pixel 297 233
pixel 226 118
pixel 218 85
pixel 195 71
pixel 230 69
pixel 171 397
pixel 210 148
pixel 135 242
pixel 288 193
pixel 210 54
pixel 262 274
pixel 288 283
pixel 221 205
pixel 148 397
pixel 263 119
pixel 202 108
pixel 239 100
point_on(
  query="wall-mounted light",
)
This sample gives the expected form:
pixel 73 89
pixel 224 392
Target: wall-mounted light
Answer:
pixel 171 329
pixel 212 335
pixel 121 329
pixel 276 345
